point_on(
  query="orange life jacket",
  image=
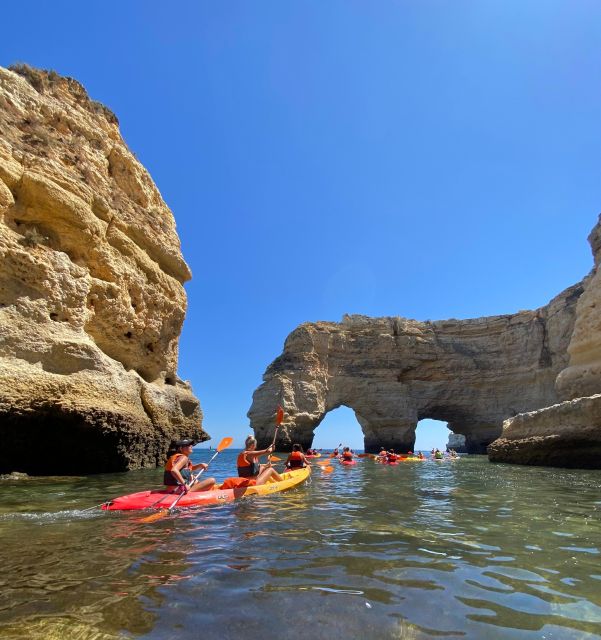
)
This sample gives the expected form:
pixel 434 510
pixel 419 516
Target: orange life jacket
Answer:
pixel 247 469
pixel 347 455
pixel 173 459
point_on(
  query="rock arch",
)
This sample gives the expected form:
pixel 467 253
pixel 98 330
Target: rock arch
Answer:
pixel 393 372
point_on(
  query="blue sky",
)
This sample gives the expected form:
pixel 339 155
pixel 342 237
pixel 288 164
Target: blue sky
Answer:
pixel 424 159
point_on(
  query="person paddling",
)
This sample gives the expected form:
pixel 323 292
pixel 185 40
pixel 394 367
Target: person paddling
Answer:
pixel 178 470
pixel 296 459
pixel 391 456
pixel 347 455
pixel 248 463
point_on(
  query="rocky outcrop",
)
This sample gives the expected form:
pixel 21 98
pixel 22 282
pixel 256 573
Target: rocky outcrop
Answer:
pixel 394 372
pixel 91 295
pixel 456 443
pixel 566 434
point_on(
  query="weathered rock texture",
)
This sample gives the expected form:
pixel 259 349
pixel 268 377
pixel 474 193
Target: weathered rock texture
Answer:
pixel 567 434
pixel 394 372
pixel 91 295
pixel 457 443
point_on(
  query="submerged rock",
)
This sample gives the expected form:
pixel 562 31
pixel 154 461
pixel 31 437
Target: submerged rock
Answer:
pixel 91 295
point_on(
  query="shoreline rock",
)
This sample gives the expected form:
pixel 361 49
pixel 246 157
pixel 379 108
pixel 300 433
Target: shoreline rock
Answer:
pixel 91 290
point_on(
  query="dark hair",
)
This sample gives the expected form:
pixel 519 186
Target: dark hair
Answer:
pixel 297 447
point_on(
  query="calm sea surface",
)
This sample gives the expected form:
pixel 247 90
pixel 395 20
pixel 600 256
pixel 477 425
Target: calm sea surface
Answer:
pixel 462 549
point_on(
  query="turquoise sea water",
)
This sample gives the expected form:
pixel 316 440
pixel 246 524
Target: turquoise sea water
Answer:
pixel 462 549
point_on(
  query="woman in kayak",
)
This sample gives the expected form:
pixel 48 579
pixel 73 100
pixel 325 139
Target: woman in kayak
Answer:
pixel 382 456
pixel 248 463
pixel 296 459
pixel 178 470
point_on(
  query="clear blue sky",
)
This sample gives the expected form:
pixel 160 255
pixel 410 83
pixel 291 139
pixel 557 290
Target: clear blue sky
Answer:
pixel 424 159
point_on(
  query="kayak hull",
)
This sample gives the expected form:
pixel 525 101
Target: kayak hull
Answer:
pixel 147 499
pixel 348 463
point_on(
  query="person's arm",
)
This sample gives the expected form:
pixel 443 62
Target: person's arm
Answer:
pixel 262 452
pixel 177 467
pixel 200 465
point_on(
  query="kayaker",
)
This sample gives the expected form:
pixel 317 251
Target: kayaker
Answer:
pixel 391 456
pixel 438 454
pixel 248 463
pixel 296 459
pixel 347 454
pixel 179 468
pixel 382 456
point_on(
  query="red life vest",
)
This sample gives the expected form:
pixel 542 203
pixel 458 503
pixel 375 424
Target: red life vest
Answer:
pixel 347 455
pixel 247 469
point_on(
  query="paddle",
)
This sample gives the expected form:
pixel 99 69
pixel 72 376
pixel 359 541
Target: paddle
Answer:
pixel 224 444
pixel 279 417
pixel 328 469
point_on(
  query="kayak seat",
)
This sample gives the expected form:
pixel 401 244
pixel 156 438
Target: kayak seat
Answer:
pixel 238 483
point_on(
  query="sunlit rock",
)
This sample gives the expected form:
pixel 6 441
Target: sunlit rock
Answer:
pixel 91 295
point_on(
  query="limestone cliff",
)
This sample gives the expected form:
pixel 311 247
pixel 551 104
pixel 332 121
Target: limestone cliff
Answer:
pixel 568 433
pixel 91 295
pixel 394 372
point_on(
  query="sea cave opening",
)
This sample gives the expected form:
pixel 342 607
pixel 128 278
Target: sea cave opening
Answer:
pixel 431 434
pixel 339 426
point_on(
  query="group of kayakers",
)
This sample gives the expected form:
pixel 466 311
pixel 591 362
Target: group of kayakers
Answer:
pixel 179 467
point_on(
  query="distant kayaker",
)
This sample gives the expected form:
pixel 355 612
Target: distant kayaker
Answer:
pixel 391 456
pixel 383 455
pixel 296 459
pixel 179 468
pixel 248 463
pixel 347 454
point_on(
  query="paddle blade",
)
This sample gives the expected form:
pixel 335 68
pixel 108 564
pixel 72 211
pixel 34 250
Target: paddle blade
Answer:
pixel 156 516
pixel 364 455
pixel 328 469
pixel 274 459
pixel 324 463
pixel 279 415
pixel 224 444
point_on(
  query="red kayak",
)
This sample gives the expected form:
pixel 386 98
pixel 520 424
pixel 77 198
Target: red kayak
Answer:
pixel 348 463
pixel 147 499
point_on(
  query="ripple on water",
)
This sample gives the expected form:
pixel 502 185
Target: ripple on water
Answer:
pixel 415 551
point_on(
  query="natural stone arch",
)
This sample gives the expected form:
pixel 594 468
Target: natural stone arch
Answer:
pixel 393 372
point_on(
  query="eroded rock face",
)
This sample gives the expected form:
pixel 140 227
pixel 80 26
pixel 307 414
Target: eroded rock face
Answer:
pixel 394 372
pixel 567 434
pixel 91 295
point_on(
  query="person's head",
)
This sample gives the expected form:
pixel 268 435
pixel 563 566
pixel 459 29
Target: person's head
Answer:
pixel 182 446
pixel 391 451
pixel 297 447
pixel 410 453
pixel 250 443
pixel 346 449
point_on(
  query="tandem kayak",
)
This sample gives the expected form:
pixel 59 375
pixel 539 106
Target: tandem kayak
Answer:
pixel 147 499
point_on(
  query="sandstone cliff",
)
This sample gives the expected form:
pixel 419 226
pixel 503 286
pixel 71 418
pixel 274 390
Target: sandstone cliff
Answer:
pixel 394 372
pixel 91 295
pixel 568 433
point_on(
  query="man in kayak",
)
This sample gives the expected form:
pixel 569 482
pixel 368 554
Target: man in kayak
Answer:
pixel 248 463
pixel 178 470
pixel 391 456
pixel 382 456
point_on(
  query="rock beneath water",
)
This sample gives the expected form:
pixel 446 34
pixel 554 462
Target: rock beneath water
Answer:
pixel 15 475
pixel 91 295
pixel 393 372
pixel 567 434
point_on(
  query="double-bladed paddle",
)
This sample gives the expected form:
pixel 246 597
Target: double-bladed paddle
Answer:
pixel 224 444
